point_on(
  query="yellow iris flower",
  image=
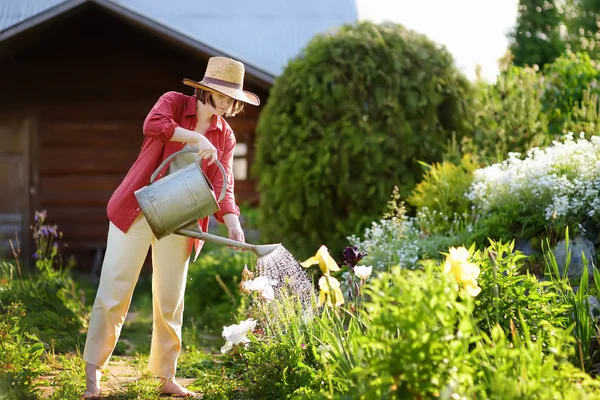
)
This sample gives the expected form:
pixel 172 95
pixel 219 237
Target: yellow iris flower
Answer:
pixel 330 292
pixel 325 261
pixel 457 264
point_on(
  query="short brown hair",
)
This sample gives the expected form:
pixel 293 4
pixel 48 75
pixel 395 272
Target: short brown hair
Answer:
pixel 206 96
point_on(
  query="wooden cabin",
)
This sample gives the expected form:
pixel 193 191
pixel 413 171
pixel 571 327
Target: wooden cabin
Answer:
pixel 75 93
pixel 76 82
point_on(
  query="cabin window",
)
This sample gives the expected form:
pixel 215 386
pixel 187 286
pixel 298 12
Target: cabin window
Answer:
pixel 240 161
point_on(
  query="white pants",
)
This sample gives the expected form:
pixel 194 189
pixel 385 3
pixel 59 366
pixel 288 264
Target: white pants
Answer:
pixel 123 261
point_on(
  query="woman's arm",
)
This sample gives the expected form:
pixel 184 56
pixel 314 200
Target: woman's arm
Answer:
pixel 234 228
pixel 160 124
pixel 207 150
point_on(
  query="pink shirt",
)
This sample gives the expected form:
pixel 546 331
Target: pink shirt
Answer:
pixel 173 109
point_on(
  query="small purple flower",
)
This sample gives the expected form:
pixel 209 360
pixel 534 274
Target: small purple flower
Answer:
pixel 40 215
pixel 53 230
pixel 352 256
pixel 44 230
pixel 35 256
pixel 303 345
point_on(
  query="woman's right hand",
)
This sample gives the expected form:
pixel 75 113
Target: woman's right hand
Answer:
pixel 206 150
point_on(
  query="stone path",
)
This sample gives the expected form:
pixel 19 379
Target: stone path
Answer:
pixel 119 373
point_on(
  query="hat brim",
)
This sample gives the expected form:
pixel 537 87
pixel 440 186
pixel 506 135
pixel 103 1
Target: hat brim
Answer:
pixel 237 94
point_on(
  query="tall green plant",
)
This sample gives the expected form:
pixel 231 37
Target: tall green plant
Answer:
pixel 345 122
pixel 441 194
pixel 585 116
pixel 517 365
pixel 509 116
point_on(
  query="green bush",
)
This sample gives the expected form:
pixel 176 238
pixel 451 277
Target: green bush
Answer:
pixel 212 295
pixel 531 368
pixel 20 356
pixel 585 116
pixel 565 81
pixel 56 310
pixel 346 121
pixel 441 194
pixel 508 293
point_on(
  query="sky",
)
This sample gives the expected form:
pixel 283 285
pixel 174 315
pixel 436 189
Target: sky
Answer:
pixel 474 31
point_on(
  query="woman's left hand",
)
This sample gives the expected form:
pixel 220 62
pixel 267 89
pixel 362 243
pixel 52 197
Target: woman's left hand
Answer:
pixel 235 232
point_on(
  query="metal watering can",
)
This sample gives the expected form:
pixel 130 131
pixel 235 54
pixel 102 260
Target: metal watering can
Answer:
pixel 175 203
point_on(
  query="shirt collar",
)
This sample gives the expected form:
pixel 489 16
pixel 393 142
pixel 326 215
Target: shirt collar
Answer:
pixel 216 123
pixel 191 106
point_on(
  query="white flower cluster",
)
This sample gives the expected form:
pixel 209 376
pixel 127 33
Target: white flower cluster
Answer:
pixel 385 242
pixel 560 181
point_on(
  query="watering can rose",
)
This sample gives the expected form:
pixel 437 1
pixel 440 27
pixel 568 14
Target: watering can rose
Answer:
pixel 466 273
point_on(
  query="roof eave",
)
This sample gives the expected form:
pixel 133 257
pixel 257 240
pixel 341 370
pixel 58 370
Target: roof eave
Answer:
pixel 262 77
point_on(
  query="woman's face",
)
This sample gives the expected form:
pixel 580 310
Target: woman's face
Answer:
pixel 222 103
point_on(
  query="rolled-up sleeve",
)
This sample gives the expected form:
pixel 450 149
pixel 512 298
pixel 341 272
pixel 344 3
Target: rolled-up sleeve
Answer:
pixel 160 122
pixel 227 205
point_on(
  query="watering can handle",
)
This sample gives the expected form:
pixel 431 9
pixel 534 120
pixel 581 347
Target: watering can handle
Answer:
pixel 192 150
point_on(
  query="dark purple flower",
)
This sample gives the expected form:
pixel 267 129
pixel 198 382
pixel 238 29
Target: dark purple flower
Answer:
pixel 352 256
pixel 44 230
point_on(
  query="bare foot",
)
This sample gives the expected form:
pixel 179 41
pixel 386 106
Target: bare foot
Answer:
pixel 92 381
pixel 169 386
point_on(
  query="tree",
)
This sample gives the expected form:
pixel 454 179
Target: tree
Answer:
pixel 536 39
pixel 582 18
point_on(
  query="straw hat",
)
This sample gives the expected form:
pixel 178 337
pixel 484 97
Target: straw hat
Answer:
pixel 226 76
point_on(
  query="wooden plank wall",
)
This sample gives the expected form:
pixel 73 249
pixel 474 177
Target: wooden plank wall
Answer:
pixel 91 87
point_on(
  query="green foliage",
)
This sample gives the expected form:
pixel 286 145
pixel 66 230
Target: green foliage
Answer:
pixel 212 295
pixel 509 116
pixel 585 116
pixel 508 293
pixel 530 368
pixel 277 369
pixel 69 383
pixel 565 82
pixel 328 150
pixel 441 193
pixel 536 38
pixel 580 317
pixel 20 356
pixel 56 307
pixel 418 335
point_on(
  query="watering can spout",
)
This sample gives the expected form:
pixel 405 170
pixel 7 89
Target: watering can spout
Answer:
pixel 264 249
pixel 194 231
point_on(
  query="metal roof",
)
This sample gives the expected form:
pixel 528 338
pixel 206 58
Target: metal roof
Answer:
pixel 262 33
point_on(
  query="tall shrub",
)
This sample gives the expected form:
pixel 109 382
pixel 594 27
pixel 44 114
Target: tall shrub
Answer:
pixel 347 120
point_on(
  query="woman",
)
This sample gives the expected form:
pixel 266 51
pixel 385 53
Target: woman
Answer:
pixel 175 121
